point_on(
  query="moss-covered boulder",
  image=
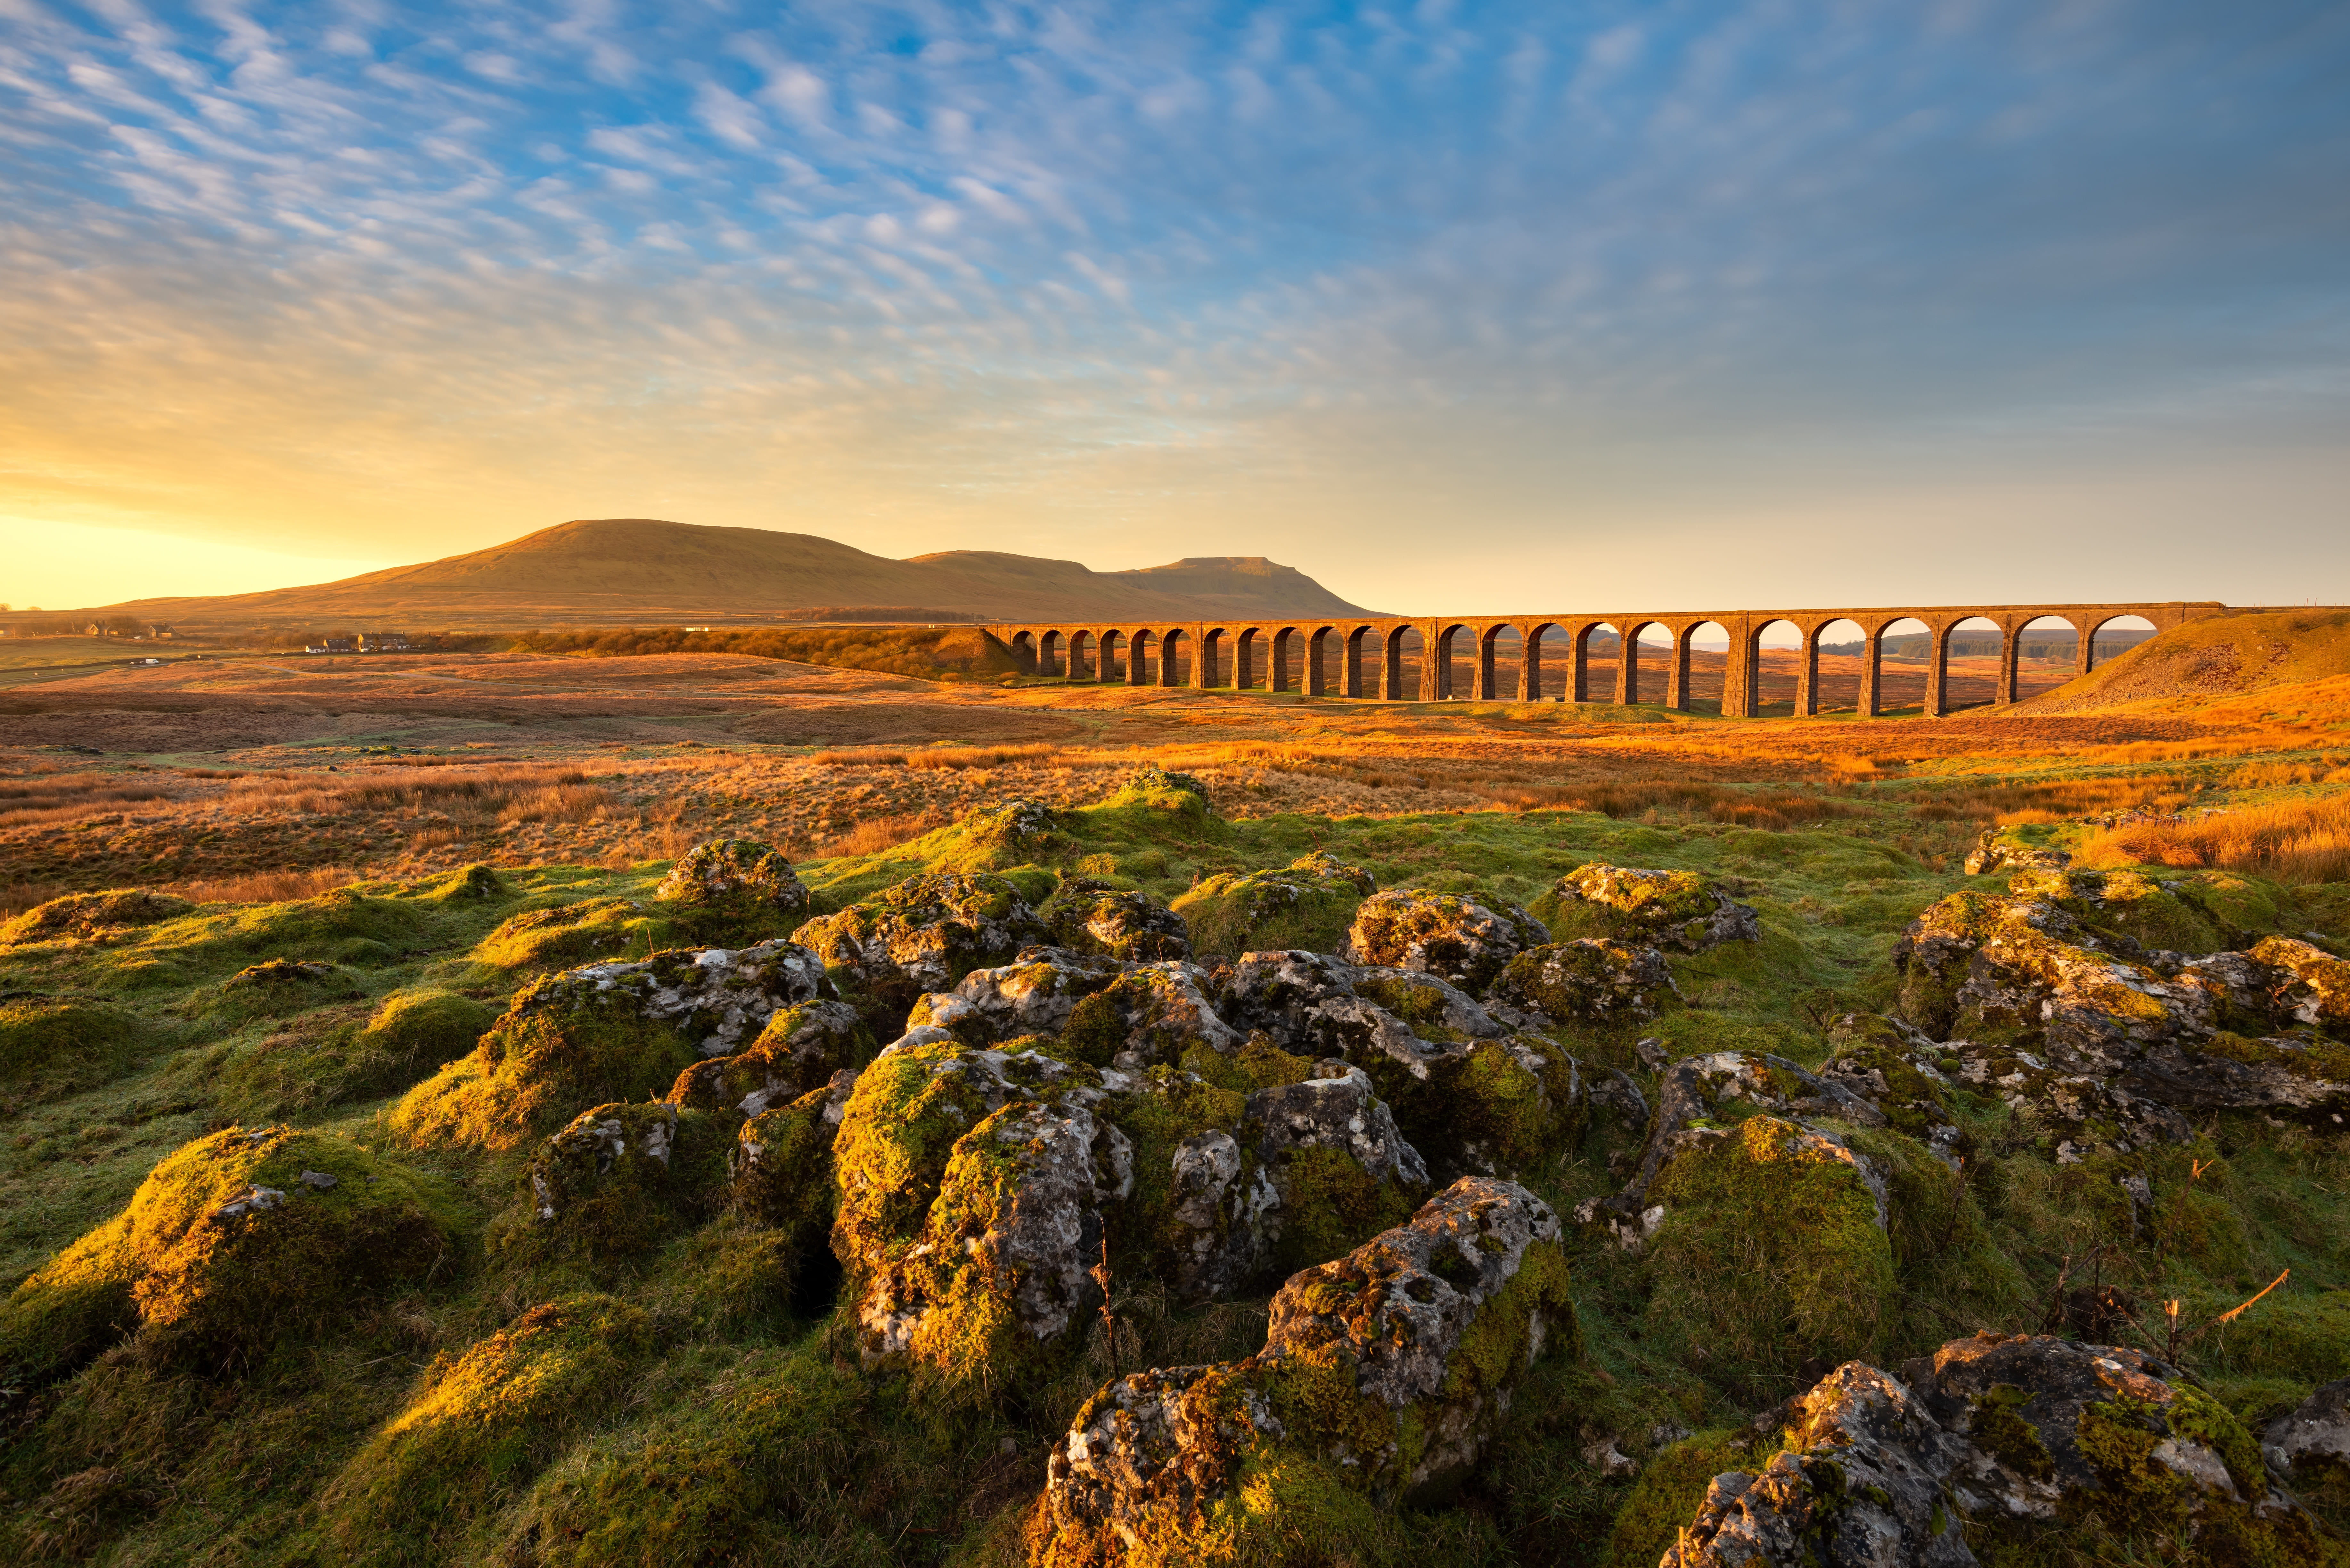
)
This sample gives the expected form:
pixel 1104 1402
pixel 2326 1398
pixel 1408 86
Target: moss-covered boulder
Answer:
pixel 85 915
pixel 1309 904
pixel 803 1047
pixel 66 1041
pixel 1156 1012
pixel 1002 1267
pixel 2129 912
pixel 604 1032
pixel 1090 915
pixel 621 1177
pixel 238 1240
pixel 2110 1439
pixel 1997 850
pixel 733 890
pixel 1385 1374
pixel 568 934
pixel 478 1427
pixel 1501 1107
pixel 1034 995
pixel 2310 1444
pixel 922 934
pixel 1588 981
pixel 1766 1245
pixel 1338 1167
pixel 1444 934
pixel 1901 1073
pixel 1680 910
pixel 2318 992
pixel 783 1170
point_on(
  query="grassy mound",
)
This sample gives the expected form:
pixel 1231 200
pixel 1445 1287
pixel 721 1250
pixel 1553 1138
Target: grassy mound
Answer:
pixel 1310 903
pixel 88 914
pixel 571 934
pixel 64 1042
pixel 329 1060
pixel 239 1241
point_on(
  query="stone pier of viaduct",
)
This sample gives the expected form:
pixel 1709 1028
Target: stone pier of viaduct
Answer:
pixel 1257 652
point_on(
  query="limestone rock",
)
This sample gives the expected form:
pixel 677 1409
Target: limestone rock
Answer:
pixel 781 1171
pixel 1900 1072
pixel 1434 1009
pixel 720 999
pixel 2311 1442
pixel 1004 1259
pixel 1995 1433
pixel 618 1178
pixel 1087 916
pixel 1365 1386
pixel 1442 934
pixel 922 934
pixel 803 1047
pixel 1588 981
pixel 1663 909
pixel 2318 993
pixel 734 890
pixel 1034 995
pixel 1153 1012
pixel 1990 855
pixel 1014 831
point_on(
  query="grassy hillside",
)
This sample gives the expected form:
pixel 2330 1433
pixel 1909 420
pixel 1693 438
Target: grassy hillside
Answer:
pixel 2222 657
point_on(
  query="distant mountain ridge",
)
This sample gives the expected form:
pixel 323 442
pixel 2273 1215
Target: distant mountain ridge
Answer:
pixel 607 571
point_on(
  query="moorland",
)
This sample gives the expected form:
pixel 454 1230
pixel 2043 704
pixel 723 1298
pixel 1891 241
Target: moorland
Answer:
pixel 447 1116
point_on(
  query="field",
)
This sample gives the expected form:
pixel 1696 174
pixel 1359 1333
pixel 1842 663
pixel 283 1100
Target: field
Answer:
pixel 402 824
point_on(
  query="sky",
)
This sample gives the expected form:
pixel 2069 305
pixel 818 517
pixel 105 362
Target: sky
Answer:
pixel 1457 307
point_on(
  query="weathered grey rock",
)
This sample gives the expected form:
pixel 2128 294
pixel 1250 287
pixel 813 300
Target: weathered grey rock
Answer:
pixel 1693 1090
pixel 1153 1012
pixel 738 884
pixel 1613 1091
pixel 924 934
pixel 1432 1007
pixel 1442 934
pixel 802 1048
pixel 1335 1109
pixel 1006 1256
pixel 1665 908
pixel 2312 1441
pixel 1883 1472
pixel 1034 995
pixel 1588 981
pixel 1860 1487
pixel 718 998
pixel 1990 855
pixel 1276 990
pixel 1087 916
pixel 1154 1455
pixel 585 1156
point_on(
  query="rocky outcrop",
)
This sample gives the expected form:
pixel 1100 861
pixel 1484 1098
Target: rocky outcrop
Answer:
pixel 2311 1443
pixel 1154 1013
pixel 1384 1373
pixel 1999 1436
pixel 803 1047
pixel 1678 909
pixel 1034 995
pixel 781 1170
pixel 620 1178
pixel 733 889
pixel 922 934
pixel 1991 854
pixel 719 999
pixel 1444 934
pixel 1092 916
pixel 1589 981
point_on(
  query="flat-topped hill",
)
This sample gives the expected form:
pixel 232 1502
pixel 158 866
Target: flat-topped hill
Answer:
pixel 620 570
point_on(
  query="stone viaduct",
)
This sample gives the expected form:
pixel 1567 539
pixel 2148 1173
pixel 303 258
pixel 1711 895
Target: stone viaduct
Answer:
pixel 1257 651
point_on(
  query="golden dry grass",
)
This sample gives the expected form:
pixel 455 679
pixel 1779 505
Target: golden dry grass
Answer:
pixel 2289 841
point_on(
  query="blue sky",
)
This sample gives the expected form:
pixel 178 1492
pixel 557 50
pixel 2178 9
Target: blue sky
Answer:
pixel 1453 305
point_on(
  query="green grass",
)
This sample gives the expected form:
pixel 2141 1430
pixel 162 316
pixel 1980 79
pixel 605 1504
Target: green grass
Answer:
pixel 472 1414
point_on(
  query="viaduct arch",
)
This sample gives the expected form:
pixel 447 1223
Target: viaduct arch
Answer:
pixel 1256 653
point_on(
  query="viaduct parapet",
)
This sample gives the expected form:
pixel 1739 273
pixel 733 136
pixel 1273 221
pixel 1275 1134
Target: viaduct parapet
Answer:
pixel 1257 652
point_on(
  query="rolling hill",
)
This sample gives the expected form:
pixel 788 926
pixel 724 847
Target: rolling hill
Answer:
pixel 637 570
pixel 2204 660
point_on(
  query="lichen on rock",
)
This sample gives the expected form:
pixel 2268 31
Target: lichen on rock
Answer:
pixel 1679 910
pixel 801 1048
pixel 1591 980
pixel 1090 915
pixel 1385 1374
pixel 1444 934
pixel 922 934
pixel 733 889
